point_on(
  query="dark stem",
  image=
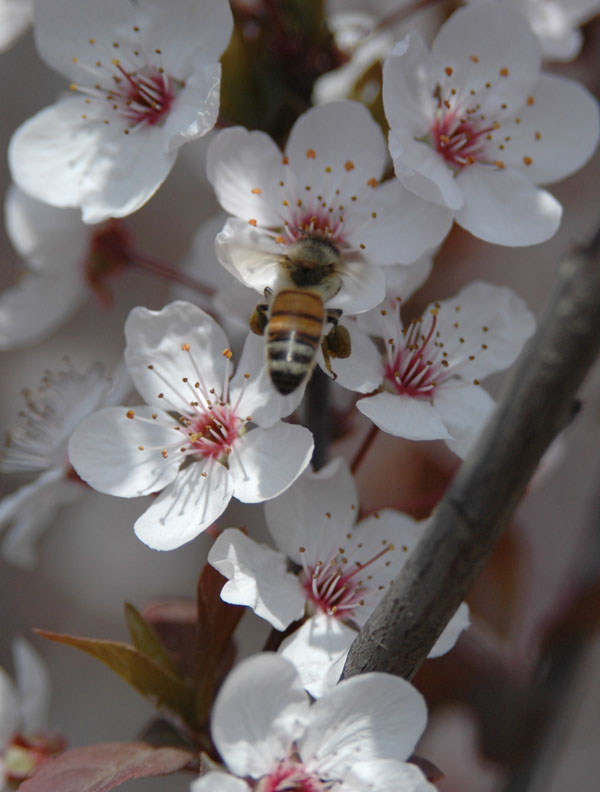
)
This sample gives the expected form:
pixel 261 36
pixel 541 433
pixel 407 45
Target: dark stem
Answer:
pixel 318 418
pixel 536 404
pixel 364 448
pixel 169 273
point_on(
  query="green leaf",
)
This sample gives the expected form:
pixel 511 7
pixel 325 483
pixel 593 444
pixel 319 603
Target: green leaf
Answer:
pixel 146 640
pixel 163 688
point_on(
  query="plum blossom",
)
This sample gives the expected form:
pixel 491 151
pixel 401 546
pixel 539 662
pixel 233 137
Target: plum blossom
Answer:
pixel 555 23
pixel 475 127
pixel 145 78
pixel 67 260
pixel 201 439
pixel 345 567
pixel 15 18
pixel 431 371
pixel 24 740
pixel 38 444
pixel 356 738
pixel 326 184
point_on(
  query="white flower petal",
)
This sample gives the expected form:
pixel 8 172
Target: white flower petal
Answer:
pixel 363 285
pixel 259 712
pixel 499 38
pixel 104 450
pixel 298 517
pixel 51 154
pixel 186 507
pixel 405 228
pixel 451 632
pixel 485 322
pixel 219 782
pixel 406 100
pixel 318 651
pixel 404 281
pixel 387 775
pixel 196 108
pixel 371 716
pixel 15 18
pixel 156 338
pixel 10 715
pixel 343 137
pixel 464 410
pixel 257 394
pixel 259 471
pixel 361 371
pixel 249 255
pixel 423 171
pixel 558 131
pixel 37 305
pixel 504 207
pixel 258 578
pixel 405 416
pixel 33 683
pixel 245 169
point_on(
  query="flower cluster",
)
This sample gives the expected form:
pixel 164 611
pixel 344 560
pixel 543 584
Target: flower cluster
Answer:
pixel 334 217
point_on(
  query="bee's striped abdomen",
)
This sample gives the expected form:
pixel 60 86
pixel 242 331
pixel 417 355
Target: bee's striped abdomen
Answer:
pixel 293 335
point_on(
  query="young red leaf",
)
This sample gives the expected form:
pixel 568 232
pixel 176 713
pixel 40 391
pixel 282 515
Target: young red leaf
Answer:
pixel 146 640
pixel 99 768
pixel 164 689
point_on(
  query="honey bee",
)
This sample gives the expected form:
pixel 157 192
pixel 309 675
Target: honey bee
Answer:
pixel 295 315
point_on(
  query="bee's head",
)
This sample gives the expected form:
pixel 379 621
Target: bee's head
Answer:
pixel 311 259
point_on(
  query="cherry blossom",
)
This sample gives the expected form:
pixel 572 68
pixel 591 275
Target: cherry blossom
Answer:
pixel 354 739
pixel 195 439
pixel 327 184
pixel 475 127
pixel 555 23
pixel 146 80
pixel 24 740
pixel 345 567
pixel 431 371
pixel 67 261
pixel 38 444
pixel 15 18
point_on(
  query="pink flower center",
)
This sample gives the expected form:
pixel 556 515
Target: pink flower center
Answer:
pixel 414 367
pixel 144 96
pixel 460 141
pixel 213 432
pixel 336 589
pixel 320 222
pixel 291 776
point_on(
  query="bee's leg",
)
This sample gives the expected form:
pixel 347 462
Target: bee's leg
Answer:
pixel 336 344
pixel 259 319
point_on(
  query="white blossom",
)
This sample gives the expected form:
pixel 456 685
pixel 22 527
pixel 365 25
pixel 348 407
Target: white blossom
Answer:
pixel 475 127
pixel 345 567
pixel 38 444
pixel 431 371
pixel 15 18
pixel 146 80
pixel 327 183
pixel 202 439
pixel 354 739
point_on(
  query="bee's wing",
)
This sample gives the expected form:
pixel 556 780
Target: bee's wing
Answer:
pixel 251 255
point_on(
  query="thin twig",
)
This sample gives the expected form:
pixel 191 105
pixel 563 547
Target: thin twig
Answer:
pixel 536 404
pixel 364 448
pixel 169 273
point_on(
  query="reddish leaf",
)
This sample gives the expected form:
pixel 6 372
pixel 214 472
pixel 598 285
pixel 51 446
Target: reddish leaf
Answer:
pixel 146 640
pixel 175 624
pixel 98 768
pixel 165 690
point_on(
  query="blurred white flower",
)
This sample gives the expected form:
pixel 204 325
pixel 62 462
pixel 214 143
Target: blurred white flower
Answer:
pixel 15 18
pixel 345 568
pixel 555 23
pixel 354 739
pixel 194 440
pixel 24 740
pixel 38 444
pixel 326 185
pixel 431 371
pixel 147 80
pixel 67 261
pixel 475 126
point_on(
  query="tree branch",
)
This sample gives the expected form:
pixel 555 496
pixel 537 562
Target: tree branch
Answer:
pixel 537 403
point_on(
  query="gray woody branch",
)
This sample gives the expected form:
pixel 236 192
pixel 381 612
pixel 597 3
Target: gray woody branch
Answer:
pixel 537 402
